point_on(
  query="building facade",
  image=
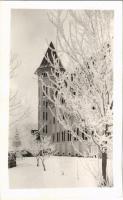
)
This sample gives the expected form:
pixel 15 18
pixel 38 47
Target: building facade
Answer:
pixel 47 121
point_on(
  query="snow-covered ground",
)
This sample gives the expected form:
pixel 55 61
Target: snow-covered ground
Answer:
pixel 61 172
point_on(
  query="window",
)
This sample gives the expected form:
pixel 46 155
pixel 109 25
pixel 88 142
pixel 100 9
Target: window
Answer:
pixel 68 136
pixel 62 100
pixel 46 128
pixel 71 77
pixel 64 135
pixel 46 116
pixel 43 90
pixel 43 130
pixel 46 90
pixel 57 137
pixel 46 104
pixel 53 120
pixel 43 115
pixel 44 74
pixel 83 136
pixel 77 131
pixel 43 103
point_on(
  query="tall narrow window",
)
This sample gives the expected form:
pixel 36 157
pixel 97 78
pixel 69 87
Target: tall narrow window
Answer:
pixel 46 128
pixel 43 115
pixel 71 77
pixel 43 90
pixel 46 104
pixel 43 130
pixel 57 137
pixel 77 131
pixel 53 120
pixel 43 103
pixel 46 116
pixel 68 136
pixel 83 136
pixel 64 135
pixel 46 90
pixel 45 74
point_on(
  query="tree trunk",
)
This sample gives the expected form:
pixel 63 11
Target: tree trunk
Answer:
pixel 104 164
pixel 43 165
pixel 37 162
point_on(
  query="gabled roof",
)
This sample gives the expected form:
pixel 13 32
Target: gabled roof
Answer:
pixel 50 54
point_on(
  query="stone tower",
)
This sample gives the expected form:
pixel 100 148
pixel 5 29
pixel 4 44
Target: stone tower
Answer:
pixel 47 122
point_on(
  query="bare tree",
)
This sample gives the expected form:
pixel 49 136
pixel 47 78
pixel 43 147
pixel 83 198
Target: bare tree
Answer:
pixel 17 110
pixel 83 97
pixel 39 146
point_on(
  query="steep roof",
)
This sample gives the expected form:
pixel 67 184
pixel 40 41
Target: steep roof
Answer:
pixel 50 54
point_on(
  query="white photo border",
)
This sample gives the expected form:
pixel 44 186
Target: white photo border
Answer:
pixel 77 193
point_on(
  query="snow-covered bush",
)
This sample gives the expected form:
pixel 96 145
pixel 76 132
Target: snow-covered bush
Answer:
pixel 39 146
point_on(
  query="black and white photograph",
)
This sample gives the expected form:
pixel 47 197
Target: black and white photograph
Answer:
pixel 61 98
pixel 62 127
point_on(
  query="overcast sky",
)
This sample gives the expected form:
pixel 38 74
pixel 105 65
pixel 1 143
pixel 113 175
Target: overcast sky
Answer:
pixel 30 32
